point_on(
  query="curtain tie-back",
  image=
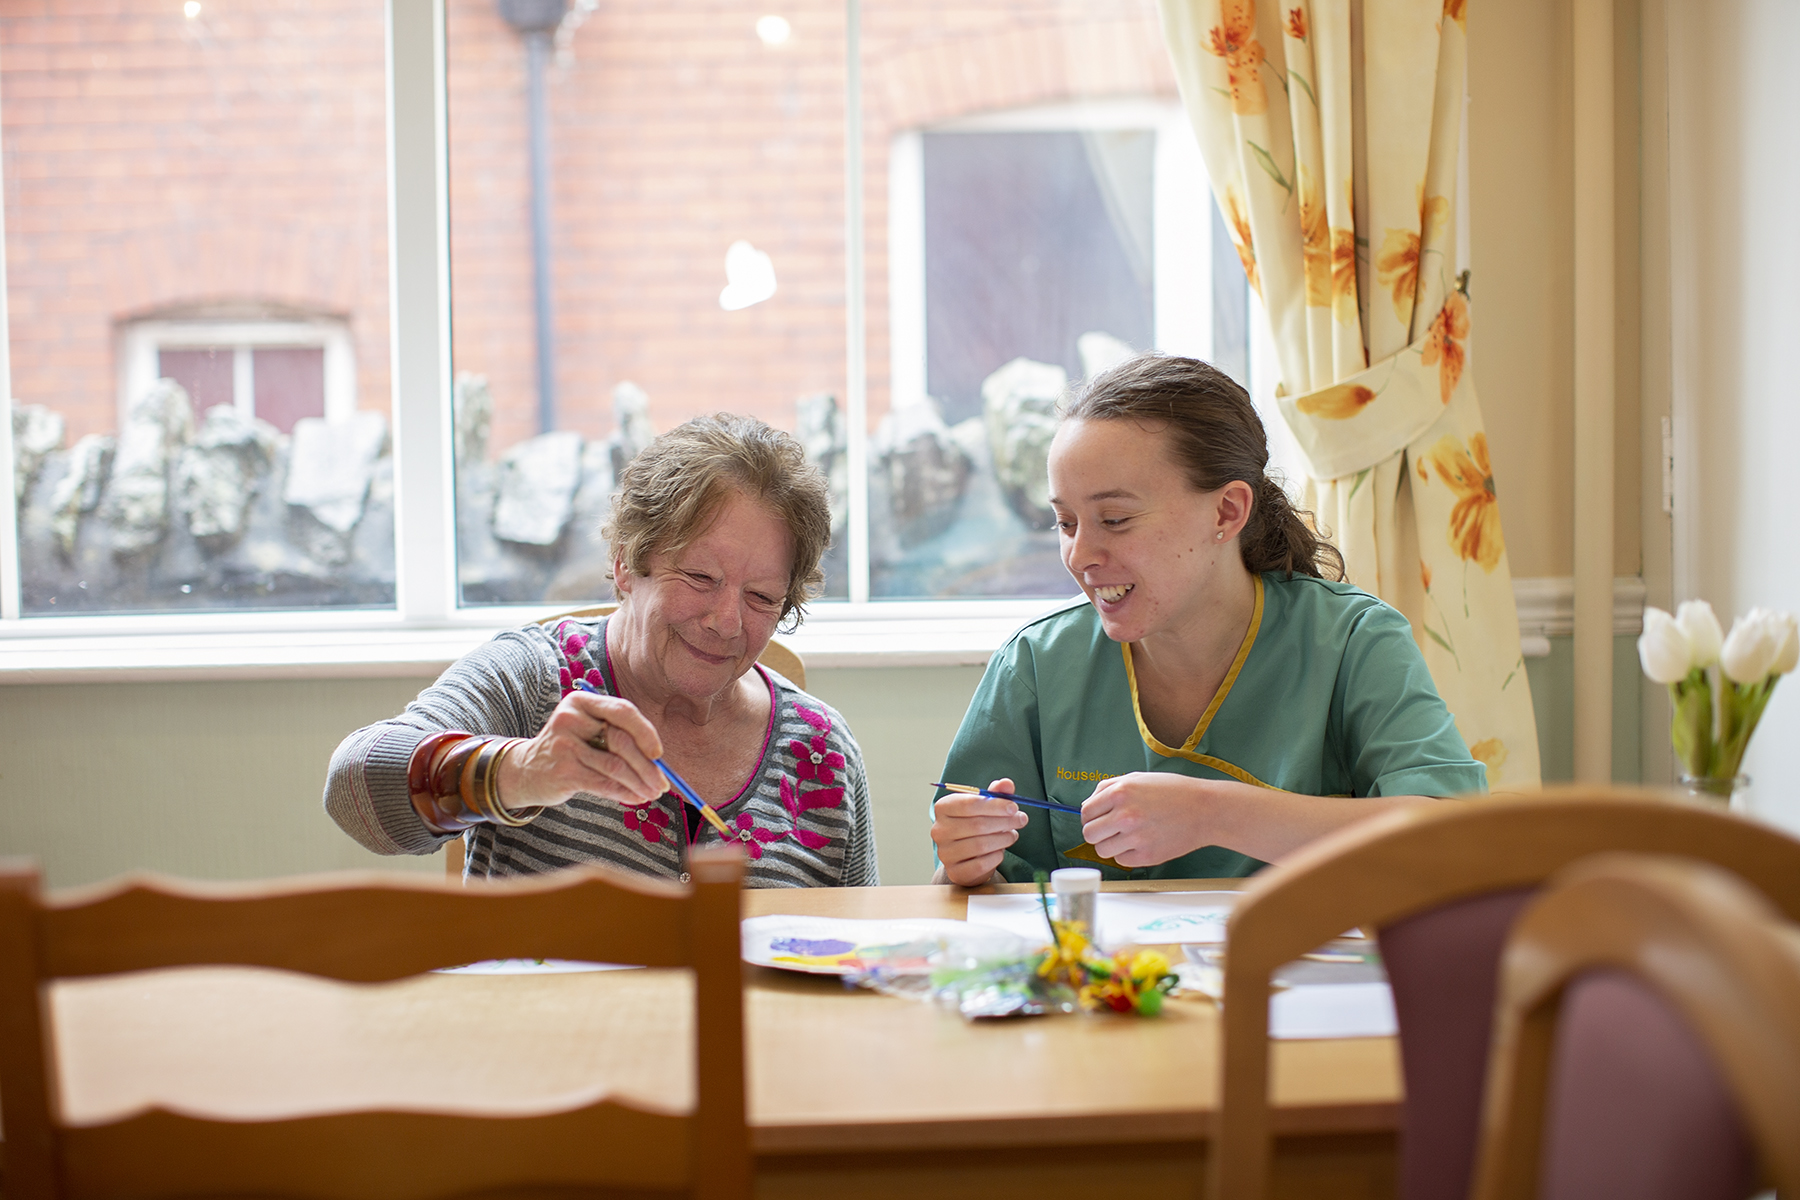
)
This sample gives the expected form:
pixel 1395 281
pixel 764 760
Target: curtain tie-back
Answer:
pixel 1371 416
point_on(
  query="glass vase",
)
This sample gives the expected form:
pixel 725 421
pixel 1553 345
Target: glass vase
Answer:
pixel 1728 792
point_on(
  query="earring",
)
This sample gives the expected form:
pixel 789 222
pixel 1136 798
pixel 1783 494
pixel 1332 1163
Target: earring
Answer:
pixel 1219 536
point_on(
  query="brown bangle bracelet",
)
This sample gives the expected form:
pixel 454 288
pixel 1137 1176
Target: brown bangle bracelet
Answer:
pixel 423 795
pixel 418 767
pixel 463 788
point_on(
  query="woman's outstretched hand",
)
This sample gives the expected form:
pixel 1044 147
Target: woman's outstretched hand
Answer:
pixel 1148 817
pixel 564 758
pixel 972 834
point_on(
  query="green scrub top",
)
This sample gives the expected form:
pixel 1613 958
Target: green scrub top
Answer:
pixel 1329 696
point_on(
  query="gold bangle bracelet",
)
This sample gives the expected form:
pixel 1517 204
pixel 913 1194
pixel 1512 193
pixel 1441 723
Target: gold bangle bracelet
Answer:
pixel 484 787
pixel 474 781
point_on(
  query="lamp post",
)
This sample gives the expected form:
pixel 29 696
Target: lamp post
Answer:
pixel 536 22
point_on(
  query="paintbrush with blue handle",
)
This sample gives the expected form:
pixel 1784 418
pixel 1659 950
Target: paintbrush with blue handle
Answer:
pixel 1049 805
pixel 687 793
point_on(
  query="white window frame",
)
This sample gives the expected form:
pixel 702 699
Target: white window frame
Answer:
pixel 426 629
pixel 140 343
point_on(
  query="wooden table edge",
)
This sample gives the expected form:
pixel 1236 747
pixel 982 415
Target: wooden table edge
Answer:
pixel 1172 1125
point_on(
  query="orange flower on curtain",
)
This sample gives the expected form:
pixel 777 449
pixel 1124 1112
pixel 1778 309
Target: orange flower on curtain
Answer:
pixel 1234 40
pixel 1343 274
pixel 1444 343
pixel 1338 403
pixel 1458 11
pixel 1296 24
pixel 1240 237
pixel 1490 753
pixel 1315 242
pixel 1474 530
pixel 1397 265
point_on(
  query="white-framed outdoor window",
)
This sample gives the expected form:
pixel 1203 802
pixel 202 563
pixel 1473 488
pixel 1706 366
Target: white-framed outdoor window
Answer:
pixel 273 369
pixel 427 622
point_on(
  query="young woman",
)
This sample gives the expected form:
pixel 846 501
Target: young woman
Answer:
pixel 1218 698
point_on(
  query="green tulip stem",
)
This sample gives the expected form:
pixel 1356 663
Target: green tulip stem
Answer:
pixel 1692 728
pixel 1711 745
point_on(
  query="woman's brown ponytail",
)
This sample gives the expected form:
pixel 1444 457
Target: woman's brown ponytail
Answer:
pixel 1217 437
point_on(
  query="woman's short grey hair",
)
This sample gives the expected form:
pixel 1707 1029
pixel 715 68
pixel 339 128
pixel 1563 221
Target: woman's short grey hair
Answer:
pixel 671 492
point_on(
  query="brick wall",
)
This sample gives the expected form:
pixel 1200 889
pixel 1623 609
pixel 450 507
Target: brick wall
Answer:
pixel 155 162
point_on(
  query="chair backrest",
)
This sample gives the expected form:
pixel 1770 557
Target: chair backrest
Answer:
pixel 1646 1039
pixel 1403 864
pixel 370 928
pixel 777 656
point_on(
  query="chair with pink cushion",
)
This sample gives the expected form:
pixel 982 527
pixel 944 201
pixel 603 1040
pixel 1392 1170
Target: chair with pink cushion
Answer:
pixel 1440 884
pixel 1647 1040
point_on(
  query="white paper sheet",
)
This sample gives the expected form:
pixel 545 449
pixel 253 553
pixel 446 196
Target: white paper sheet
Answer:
pixel 1333 1010
pixel 1126 918
pixel 530 966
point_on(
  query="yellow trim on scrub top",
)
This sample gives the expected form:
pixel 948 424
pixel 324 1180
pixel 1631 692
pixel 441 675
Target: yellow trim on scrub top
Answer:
pixel 1186 749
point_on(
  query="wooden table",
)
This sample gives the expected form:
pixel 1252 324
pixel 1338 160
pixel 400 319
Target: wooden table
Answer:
pixel 851 1093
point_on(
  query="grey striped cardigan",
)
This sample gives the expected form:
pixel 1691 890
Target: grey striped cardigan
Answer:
pixel 803 818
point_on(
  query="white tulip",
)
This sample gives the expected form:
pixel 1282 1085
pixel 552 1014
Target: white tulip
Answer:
pixel 1755 643
pixel 1705 638
pixel 1789 657
pixel 1663 648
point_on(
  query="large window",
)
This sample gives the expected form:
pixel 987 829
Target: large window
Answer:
pixel 901 230
pixel 197 305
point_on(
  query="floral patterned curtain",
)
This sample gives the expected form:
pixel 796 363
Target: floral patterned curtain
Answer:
pixel 1330 130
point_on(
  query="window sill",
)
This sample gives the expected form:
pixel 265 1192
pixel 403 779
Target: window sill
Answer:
pixel 365 645
pixel 377 645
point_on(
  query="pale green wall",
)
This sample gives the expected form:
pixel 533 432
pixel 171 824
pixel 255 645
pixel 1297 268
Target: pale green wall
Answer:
pixel 1553 698
pixel 222 780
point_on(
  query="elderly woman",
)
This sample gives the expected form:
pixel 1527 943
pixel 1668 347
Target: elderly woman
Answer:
pixel 716 537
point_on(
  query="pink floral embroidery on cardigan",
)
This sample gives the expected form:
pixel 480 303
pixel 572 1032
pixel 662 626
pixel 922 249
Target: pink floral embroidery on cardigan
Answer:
pixel 814 762
pixel 648 821
pixel 570 646
pixel 814 759
pixel 753 837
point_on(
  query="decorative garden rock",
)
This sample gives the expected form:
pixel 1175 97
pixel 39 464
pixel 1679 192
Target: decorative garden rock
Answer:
pixel 216 477
pixel 472 406
pixel 918 471
pixel 36 432
pixel 330 464
pixel 1101 352
pixel 136 507
pixel 585 570
pixel 537 483
pixel 631 414
pixel 78 492
pixel 1019 404
pixel 819 426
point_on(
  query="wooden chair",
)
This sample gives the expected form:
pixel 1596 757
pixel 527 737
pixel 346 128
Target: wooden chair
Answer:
pixel 369 928
pixel 1442 882
pixel 1658 1001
